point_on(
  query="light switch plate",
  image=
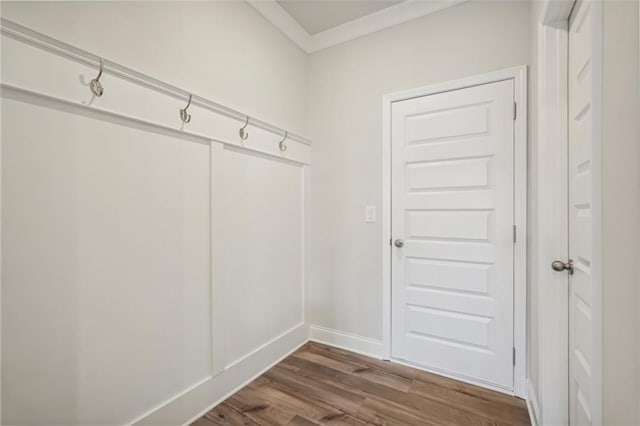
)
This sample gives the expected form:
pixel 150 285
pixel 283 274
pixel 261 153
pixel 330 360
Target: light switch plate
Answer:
pixel 370 214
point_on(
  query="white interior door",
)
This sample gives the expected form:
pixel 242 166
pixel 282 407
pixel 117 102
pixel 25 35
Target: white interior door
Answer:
pixel 581 209
pixel 453 207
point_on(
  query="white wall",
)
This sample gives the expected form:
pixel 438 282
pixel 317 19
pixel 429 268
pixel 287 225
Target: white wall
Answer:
pixel 346 85
pixel 141 281
pixel 102 277
pixel 532 276
pixel 260 216
pixel 227 52
pixel 223 50
pixel 620 213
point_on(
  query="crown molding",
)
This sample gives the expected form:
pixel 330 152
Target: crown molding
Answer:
pixel 377 21
pixel 385 18
pixel 280 18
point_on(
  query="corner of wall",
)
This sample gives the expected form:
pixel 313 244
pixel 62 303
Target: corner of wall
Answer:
pixel 347 341
pixel 532 405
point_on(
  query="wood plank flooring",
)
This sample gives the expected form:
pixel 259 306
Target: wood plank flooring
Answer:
pixel 322 385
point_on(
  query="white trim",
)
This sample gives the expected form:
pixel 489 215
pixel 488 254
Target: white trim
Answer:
pixel 30 37
pixel 280 18
pixel 179 395
pixel 386 227
pixel 253 352
pixel 532 405
pixel 305 188
pixel 182 406
pixel 553 302
pixel 553 43
pixel 519 75
pixel 351 342
pixel 218 289
pixel 1 263
pixel 462 83
pixel 260 145
pixel 520 258
pixel 597 396
pixel 242 385
pixel 377 21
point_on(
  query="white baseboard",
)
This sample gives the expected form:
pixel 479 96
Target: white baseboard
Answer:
pixel 347 341
pixel 179 411
pixel 532 405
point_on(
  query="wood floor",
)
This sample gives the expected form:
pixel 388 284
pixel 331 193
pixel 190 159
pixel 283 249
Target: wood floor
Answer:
pixel 322 385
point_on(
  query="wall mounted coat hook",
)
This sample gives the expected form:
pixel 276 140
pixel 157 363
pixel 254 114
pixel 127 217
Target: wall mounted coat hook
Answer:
pixel 282 145
pixel 242 132
pixel 184 115
pixel 95 85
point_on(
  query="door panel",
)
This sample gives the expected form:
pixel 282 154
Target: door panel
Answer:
pixel 452 203
pixel 580 215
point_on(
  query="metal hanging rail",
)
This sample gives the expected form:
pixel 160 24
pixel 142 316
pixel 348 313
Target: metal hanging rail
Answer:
pixel 60 48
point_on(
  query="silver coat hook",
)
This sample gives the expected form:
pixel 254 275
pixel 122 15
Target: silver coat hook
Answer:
pixel 282 145
pixel 95 85
pixel 243 133
pixel 184 115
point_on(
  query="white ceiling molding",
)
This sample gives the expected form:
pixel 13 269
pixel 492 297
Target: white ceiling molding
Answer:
pixel 278 17
pixel 385 18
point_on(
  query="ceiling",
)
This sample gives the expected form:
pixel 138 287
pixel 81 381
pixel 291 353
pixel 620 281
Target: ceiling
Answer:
pixel 319 15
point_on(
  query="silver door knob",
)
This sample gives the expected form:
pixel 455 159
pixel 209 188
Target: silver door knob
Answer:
pixel 560 266
pixel 398 243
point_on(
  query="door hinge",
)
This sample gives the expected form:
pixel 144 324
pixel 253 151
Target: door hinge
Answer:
pixel 515 232
pixel 515 110
pixel 514 356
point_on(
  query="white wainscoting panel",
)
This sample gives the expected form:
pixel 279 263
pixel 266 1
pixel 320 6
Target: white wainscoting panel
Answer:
pixel 262 211
pixel 150 267
pixel 196 402
pixel 106 267
pixel 117 226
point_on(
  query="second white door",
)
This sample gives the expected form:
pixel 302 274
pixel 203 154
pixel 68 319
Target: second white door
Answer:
pixel 584 211
pixel 453 235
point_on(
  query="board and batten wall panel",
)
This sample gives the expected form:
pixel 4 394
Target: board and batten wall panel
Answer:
pixel 263 249
pixel 152 268
pixel 106 268
pixel 107 294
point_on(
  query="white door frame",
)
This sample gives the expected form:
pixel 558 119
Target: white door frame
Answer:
pixel 519 75
pixel 552 399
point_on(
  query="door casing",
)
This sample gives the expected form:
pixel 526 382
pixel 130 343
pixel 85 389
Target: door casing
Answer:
pixel 519 76
pixel 553 357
